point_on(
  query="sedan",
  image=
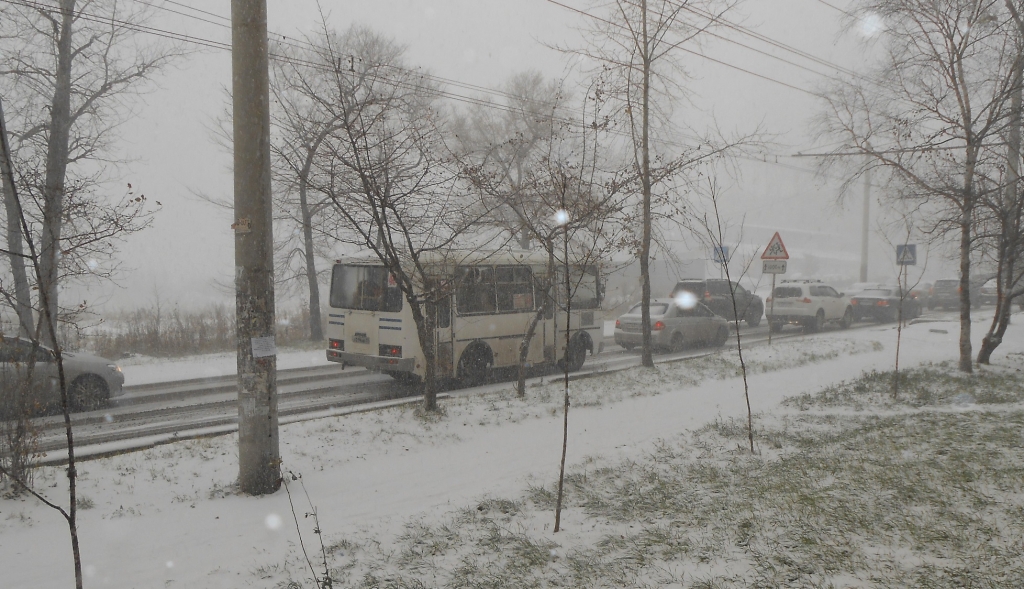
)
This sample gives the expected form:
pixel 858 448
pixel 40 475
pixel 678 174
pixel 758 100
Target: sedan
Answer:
pixel 92 381
pixel 673 326
pixel 883 304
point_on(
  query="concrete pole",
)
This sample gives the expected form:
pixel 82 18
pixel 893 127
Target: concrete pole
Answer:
pixel 259 468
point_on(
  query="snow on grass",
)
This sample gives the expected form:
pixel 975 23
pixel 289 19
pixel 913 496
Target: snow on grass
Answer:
pixel 659 493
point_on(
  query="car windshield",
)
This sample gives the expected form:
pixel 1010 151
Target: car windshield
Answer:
pixel 876 292
pixel 787 292
pixel 656 309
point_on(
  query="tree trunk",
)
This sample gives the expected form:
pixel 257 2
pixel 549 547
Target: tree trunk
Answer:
pixel 1010 221
pixel 316 332
pixel 425 328
pixel 966 220
pixel 524 346
pixel 647 358
pixel 15 244
pixel 56 167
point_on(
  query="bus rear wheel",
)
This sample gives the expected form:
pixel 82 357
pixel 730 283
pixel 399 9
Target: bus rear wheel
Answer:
pixel 576 355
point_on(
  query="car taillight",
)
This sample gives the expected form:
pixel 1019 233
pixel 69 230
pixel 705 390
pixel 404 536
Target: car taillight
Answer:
pixel 390 351
pixel 854 302
pixel 658 326
pixel 336 344
pixel 882 303
pixel 618 324
pixel 805 300
pixel 707 294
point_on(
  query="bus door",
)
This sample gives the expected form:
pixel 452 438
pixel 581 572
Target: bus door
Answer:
pixel 443 339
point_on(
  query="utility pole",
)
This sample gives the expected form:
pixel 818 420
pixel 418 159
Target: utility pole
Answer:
pixel 259 463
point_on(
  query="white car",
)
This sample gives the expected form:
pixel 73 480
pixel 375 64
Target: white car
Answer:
pixel 809 303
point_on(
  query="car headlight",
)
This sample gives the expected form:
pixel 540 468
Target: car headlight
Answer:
pixel 114 367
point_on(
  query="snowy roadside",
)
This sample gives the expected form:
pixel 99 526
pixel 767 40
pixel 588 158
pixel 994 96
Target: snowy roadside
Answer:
pixel 168 515
pixel 140 370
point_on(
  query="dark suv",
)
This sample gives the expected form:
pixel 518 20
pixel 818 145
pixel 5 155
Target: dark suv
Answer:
pixel 945 293
pixel 714 292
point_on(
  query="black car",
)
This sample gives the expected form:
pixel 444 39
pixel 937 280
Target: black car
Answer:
pixel 883 304
pixel 715 293
pixel 945 293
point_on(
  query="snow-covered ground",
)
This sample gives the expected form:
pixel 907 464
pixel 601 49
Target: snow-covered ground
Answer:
pixel 170 517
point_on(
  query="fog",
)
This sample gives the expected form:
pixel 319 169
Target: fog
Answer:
pixel 186 257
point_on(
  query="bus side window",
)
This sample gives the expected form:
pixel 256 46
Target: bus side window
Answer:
pixel 444 312
pixel 476 290
pixel 514 288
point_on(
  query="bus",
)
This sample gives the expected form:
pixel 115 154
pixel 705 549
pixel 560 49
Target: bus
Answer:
pixel 479 323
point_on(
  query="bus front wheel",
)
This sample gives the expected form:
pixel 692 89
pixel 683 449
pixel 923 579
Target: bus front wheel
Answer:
pixel 473 366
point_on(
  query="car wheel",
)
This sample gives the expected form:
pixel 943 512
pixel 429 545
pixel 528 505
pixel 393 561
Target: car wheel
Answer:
pixel 721 337
pixel 677 342
pixel 847 319
pixel 775 326
pixel 473 368
pixel 754 316
pixel 88 392
pixel 628 347
pixel 815 324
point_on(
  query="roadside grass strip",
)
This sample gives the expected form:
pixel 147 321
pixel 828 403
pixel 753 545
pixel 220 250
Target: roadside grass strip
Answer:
pixel 928 497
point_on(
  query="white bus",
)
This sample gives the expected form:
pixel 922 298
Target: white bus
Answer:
pixel 479 326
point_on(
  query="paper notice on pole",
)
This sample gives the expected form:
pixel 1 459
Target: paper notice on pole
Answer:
pixel 263 347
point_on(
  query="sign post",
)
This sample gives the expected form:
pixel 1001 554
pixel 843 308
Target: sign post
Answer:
pixel 774 262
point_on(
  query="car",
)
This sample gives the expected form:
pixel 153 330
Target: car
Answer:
pixel 885 304
pixel 987 293
pixel 920 292
pixel 715 293
pixel 809 303
pixel 673 327
pixel 945 293
pixel 91 380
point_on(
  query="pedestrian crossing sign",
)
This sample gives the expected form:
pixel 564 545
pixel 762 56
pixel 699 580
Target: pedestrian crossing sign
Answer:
pixel 906 255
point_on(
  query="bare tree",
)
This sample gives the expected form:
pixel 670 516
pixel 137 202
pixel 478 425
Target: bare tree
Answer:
pixel 932 113
pixel 636 48
pixel 538 170
pixel 83 60
pixel 384 167
pixel 1006 203
pixel 17 469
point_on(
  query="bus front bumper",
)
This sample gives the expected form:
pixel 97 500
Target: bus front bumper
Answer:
pixel 378 363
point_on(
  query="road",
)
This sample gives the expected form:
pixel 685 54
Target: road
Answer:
pixel 157 413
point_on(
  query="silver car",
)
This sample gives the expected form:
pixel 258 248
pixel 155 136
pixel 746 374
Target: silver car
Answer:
pixel 92 381
pixel 672 326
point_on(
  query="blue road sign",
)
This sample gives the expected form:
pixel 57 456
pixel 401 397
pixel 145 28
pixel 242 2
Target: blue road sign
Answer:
pixel 906 255
pixel 721 254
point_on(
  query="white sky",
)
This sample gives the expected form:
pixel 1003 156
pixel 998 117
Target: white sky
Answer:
pixel 481 42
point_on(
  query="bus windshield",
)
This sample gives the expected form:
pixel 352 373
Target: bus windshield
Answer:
pixel 364 288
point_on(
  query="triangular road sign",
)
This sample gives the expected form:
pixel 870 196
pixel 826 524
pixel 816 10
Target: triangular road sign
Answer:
pixel 776 250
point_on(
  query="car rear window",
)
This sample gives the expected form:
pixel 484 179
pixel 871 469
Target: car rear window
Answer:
pixel 718 287
pixel 785 292
pixel 947 283
pixel 695 286
pixel 656 309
